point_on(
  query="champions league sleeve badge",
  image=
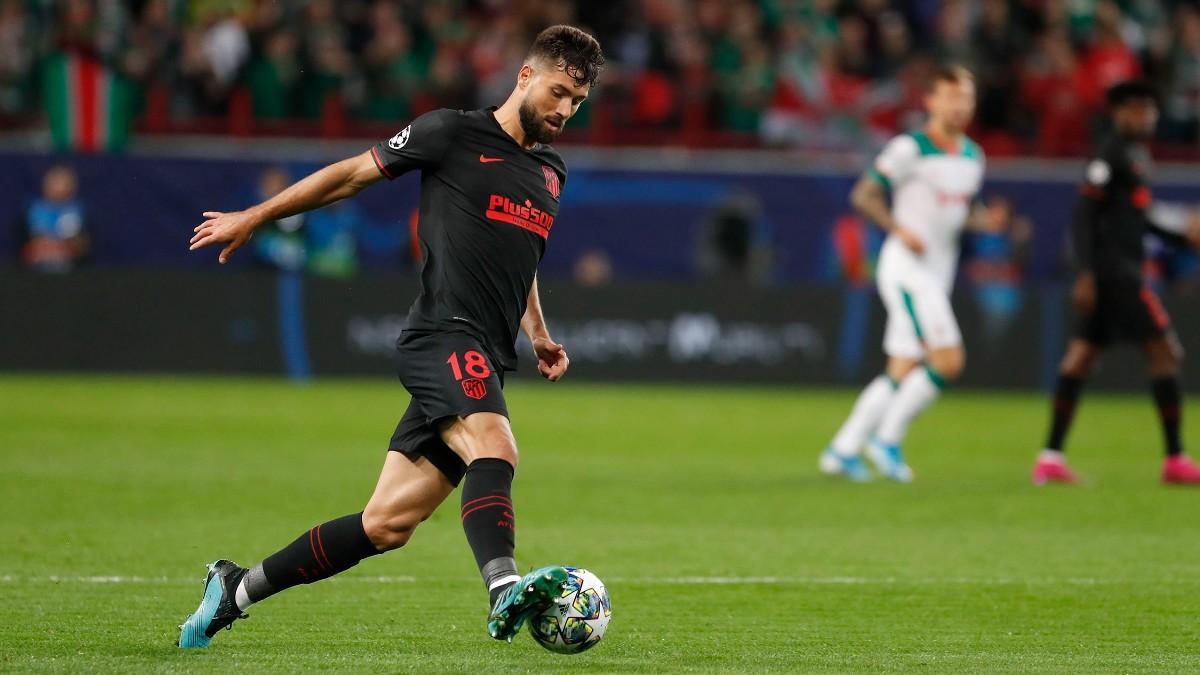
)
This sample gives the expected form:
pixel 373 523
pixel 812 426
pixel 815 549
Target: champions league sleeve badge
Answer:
pixel 399 140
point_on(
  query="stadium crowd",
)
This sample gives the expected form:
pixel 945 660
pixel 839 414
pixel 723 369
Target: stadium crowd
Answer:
pixel 820 73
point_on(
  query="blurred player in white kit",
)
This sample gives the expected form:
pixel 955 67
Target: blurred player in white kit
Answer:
pixel 933 176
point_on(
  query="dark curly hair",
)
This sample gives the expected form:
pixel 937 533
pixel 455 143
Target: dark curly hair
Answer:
pixel 1130 90
pixel 576 52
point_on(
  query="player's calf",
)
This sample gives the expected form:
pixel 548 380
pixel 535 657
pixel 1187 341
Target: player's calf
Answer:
pixel 408 492
pixel 485 440
pixel 490 523
pixel 388 533
pixel 325 550
pixel 389 521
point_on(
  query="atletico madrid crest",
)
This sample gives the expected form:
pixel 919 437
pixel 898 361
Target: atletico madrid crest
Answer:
pixel 552 183
pixel 474 388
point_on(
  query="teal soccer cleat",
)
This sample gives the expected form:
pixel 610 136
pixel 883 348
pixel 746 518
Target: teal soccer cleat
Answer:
pixel 528 597
pixel 888 459
pixel 853 468
pixel 217 609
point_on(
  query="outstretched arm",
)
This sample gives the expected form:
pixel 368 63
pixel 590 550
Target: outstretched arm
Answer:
pixel 330 184
pixel 552 358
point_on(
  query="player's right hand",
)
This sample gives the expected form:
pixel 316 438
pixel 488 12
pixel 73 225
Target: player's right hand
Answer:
pixel 1083 293
pixel 552 358
pixel 233 229
pixel 910 239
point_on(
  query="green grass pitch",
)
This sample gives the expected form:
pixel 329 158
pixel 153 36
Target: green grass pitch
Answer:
pixel 701 508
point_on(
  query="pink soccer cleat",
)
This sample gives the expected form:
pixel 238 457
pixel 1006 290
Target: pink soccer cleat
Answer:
pixel 1052 468
pixel 1181 470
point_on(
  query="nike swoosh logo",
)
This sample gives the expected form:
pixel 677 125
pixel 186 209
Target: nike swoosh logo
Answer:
pixel 489 160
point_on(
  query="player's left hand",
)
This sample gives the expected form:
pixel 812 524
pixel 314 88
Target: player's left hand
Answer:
pixel 552 358
pixel 233 229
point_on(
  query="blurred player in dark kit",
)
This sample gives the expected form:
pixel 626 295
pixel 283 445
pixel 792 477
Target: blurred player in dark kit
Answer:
pixel 1111 298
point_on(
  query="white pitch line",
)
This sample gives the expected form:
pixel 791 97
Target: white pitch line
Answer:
pixel 117 579
pixel 855 581
pixel 674 581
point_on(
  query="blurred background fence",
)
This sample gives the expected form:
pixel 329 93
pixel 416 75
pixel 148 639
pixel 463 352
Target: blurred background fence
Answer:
pixel 716 265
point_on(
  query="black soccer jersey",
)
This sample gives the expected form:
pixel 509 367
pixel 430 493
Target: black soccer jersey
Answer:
pixel 487 208
pixel 1111 216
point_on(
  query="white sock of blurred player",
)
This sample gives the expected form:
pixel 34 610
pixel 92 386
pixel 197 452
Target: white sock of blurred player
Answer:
pixel 916 392
pixel 864 418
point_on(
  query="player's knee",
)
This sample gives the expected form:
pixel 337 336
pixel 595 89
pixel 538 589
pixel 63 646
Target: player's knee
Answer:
pixel 1177 351
pixel 1165 357
pixel 950 370
pixel 949 363
pixel 1075 367
pixel 1165 364
pixel 1171 359
pixel 492 437
pixel 388 531
pixel 499 448
pixel 898 368
pixel 1079 361
pixel 959 365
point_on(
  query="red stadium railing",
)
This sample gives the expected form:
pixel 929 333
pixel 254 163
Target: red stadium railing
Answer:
pixel 609 127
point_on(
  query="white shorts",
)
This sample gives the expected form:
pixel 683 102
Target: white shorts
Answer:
pixel 919 316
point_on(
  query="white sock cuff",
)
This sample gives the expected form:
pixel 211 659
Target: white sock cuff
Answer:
pixel 241 597
pixel 1051 455
pixel 504 581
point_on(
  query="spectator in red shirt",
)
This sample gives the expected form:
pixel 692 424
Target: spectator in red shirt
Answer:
pixel 1060 94
pixel 1108 60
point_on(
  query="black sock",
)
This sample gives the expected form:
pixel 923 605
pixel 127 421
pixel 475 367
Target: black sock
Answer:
pixel 320 553
pixel 1066 397
pixel 487 518
pixel 1168 398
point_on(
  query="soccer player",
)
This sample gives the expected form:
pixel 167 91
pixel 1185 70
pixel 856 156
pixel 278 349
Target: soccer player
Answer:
pixel 1111 298
pixel 490 185
pixel 933 176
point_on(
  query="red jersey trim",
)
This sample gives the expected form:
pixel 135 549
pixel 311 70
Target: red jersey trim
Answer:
pixel 1142 197
pixel 1159 315
pixel 379 163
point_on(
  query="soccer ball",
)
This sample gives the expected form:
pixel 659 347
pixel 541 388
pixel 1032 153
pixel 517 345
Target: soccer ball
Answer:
pixel 578 622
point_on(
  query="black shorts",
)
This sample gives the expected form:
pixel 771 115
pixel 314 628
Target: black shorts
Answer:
pixel 1130 312
pixel 448 375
